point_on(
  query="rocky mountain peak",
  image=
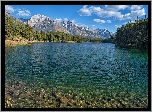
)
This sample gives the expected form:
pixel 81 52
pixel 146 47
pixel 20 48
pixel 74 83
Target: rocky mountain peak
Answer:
pixel 44 23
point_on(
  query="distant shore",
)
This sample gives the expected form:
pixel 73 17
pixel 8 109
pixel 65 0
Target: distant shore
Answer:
pixel 71 41
pixel 10 43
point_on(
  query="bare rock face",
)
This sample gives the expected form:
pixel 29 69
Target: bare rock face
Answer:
pixel 44 23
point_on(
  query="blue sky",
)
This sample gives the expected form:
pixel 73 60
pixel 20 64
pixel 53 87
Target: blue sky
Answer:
pixel 96 16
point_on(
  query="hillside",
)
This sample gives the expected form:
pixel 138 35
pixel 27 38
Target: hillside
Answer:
pixel 133 35
pixel 16 30
pixel 44 23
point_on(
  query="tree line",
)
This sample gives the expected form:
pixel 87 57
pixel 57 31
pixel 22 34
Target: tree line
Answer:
pixel 133 35
pixel 17 30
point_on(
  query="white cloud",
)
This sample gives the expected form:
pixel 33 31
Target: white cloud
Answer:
pixel 134 14
pixel 95 9
pixel 106 14
pixel 99 21
pixel 58 19
pixel 24 13
pixel 20 12
pixel 9 8
pixel 109 21
pixel 135 7
pixel 85 11
pixel 93 25
pixel 17 9
pixel 115 7
pixel 113 11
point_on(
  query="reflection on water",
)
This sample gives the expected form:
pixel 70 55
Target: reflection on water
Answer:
pixel 81 67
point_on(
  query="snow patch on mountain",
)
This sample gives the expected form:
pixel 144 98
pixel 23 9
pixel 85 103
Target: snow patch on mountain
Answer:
pixel 44 23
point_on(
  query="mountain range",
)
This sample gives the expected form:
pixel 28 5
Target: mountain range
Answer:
pixel 44 23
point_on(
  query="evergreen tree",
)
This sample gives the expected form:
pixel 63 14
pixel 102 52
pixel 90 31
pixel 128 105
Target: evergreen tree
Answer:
pixel 133 35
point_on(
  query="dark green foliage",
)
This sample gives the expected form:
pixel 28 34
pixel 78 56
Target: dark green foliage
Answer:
pixel 17 29
pixel 108 40
pixel 133 35
pixel 96 40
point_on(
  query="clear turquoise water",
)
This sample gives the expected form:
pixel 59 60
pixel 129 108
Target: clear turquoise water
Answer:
pixel 82 68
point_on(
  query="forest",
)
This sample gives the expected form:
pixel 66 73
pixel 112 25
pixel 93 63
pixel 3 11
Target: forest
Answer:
pixel 16 30
pixel 131 35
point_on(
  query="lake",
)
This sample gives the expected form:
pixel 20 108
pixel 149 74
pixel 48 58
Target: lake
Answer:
pixel 87 75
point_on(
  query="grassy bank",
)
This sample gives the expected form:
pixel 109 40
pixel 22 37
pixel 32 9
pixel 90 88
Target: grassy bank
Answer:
pixel 10 43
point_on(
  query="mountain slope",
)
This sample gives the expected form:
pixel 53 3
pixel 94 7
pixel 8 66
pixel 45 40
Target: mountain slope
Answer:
pixel 41 22
pixel 44 23
pixel 19 31
pixel 12 17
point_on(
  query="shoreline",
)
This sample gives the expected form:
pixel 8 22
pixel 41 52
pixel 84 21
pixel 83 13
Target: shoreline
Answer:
pixel 11 43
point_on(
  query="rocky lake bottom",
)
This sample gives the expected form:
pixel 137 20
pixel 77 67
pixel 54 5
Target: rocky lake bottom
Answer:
pixel 55 75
